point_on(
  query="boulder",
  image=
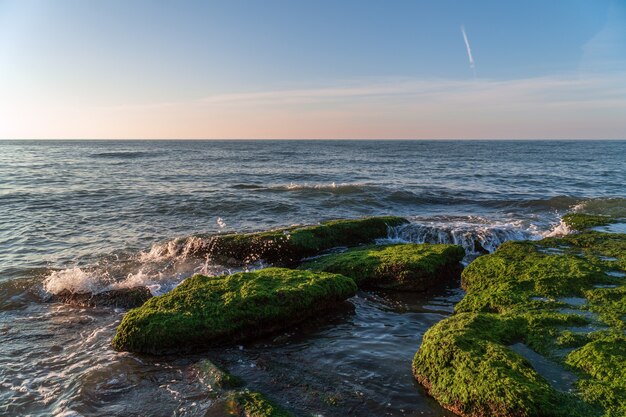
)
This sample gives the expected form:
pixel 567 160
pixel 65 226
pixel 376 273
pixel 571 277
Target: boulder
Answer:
pixel 409 267
pixel 208 311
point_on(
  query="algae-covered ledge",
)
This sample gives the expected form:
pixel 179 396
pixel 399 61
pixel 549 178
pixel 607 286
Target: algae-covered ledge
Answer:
pixel 289 245
pixel 564 298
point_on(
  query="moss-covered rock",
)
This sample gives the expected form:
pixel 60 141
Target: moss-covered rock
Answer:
pixel 414 267
pixel 254 404
pixel 287 246
pixel 583 221
pixel 207 311
pixel 553 295
pixel 464 362
pixel 214 377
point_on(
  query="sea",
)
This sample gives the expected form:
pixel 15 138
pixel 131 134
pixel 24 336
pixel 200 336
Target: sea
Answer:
pixel 90 216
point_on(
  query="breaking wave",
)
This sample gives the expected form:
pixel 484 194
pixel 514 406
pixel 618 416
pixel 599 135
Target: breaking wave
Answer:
pixel 476 235
pixel 165 264
pixel 602 206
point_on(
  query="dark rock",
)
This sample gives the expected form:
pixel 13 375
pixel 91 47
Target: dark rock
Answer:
pixel 124 298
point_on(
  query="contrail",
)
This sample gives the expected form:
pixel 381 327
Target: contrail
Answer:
pixel 469 50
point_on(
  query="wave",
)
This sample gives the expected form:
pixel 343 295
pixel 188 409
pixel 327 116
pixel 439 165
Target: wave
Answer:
pixel 158 280
pixel 333 187
pixel 121 155
pixel 164 265
pixel 561 202
pixel 610 206
pixel 476 235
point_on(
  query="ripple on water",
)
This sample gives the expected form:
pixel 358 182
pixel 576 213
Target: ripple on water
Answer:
pixel 357 358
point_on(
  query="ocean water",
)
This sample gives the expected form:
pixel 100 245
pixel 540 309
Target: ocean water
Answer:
pixel 94 215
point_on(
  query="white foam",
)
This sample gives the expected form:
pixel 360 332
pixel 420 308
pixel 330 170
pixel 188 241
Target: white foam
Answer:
pixel 177 248
pixel 306 186
pixel 475 235
pixel 73 279
pixel 560 229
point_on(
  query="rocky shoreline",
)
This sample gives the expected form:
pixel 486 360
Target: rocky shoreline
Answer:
pixel 540 331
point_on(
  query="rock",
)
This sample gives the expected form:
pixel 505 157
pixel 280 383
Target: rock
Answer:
pixel 208 311
pixel 254 404
pixel 518 295
pixel 288 246
pixel 411 267
pixel 214 377
pixel 123 298
pixel 583 221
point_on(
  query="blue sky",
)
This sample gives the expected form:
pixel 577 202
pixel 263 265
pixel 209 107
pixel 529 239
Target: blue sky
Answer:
pixel 316 69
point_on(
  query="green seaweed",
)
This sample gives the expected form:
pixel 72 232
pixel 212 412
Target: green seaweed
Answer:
pixel 287 246
pixel 518 273
pixel 604 362
pixel 410 266
pixel 583 221
pixel 522 293
pixel 254 404
pixel 464 362
pixel 207 311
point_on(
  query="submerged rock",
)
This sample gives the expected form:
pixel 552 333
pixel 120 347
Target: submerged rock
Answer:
pixel 287 246
pixel 123 298
pixel 412 266
pixel 466 361
pixel 215 378
pixel 254 404
pixel 207 311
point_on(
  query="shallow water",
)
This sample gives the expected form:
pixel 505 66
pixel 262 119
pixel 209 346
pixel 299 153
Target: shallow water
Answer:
pixel 355 361
pixel 99 215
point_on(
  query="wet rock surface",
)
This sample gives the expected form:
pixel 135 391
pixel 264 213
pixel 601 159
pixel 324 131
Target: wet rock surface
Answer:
pixel 121 298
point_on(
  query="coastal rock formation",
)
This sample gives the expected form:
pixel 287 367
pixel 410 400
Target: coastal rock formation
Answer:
pixel 287 246
pixel 562 300
pixel 207 311
pixel 411 267
pixel 123 298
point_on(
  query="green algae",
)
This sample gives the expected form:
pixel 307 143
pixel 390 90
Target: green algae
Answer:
pixel 207 311
pixel 216 378
pixel 518 273
pixel 584 221
pixel 410 266
pixel 604 363
pixel 464 362
pixel 523 294
pixel 287 246
pixel 254 404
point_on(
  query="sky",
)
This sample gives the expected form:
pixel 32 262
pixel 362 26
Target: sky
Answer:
pixel 328 69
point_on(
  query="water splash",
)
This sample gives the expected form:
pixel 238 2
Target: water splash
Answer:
pixel 475 235
pixel 75 280
pixel 560 229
